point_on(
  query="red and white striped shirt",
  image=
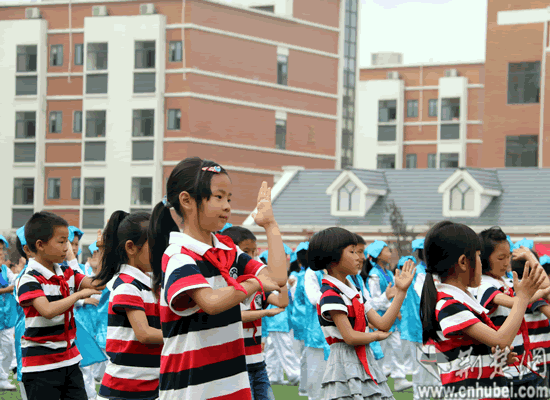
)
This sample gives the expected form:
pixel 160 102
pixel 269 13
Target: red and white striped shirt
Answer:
pixel 44 344
pixel 253 342
pixel 133 369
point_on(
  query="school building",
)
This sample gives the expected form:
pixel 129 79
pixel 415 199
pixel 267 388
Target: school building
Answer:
pixel 101 99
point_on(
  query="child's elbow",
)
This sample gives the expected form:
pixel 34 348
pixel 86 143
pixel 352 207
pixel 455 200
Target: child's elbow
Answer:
pixel 350 340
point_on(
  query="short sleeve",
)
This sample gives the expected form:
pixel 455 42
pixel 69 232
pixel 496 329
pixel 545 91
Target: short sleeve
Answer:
pixel 29 289
pixel 247 265
pixel 453 317
pixel 127 296
pixel 486 295
pixel 11 276
pixel 182 274
pixel 537 305
pixel 78 278
pixel 368 304
pixel 331 301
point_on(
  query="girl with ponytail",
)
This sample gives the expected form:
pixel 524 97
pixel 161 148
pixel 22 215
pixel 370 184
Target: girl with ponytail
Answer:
pixel 203 277
pixel 454 319
pixel 134 338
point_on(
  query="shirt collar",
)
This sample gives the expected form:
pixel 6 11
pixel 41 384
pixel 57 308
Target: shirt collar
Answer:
pixel 486 279
pixel 136 274
pixel 45 272
pixel 183 239
pixel 350 292
pixel 463 297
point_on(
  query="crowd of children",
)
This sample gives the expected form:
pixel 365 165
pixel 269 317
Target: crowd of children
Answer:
pixel 177 304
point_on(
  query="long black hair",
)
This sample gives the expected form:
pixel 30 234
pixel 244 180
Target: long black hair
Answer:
pixel 443 246
pixel 188 176
pixel 121 228
pixel 490 239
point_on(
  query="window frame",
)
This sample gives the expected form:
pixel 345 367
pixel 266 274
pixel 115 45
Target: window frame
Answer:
pixel 97 180
pixel 79 51
pixel 282 69
pixel 139 122
pixel 136 185
pixel 508 150
pixel 432 157
pixel 23 188
pixel 146 52
pixel 173 50
pixel 27 58
pixel 410 157
pixel 379 158
pixel 73 188
pixel 170 125
pixel 280 123
pixel 412 108
pixel 92 53
pixel 25 121
pixel 96 123
pixel 509 76
pixel 55 190
pixel 448 154
pixel 56 55
pixel 75 120
pixel 433 105
pixel 57 120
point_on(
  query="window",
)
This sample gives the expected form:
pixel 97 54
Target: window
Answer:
pixel 56 121
pixel 25 124
pixel 411 161
pixel 523 82
pixel 386 133
pixel 174 120
pixel 77 122
pixel 145 55
pixel 94 191
pixel 24 152
pixel 462 197
pixel 94 151
pixel 412 108
pixel 143 150
pixel 142 191
pixel 450 109
pixel 144 83
pixel 54 188
pixel 143 123
pixel 78 54
pixel 265 8
pixel 522 151
pixel 450 131
pixel 26 58
pixel 432 107
pixel 349 196
pixel 23 191
pixel 387 110
pixel 97 56
pixel 176 51
pixel 448 160
pixel 93 218
pixel 96 84
pixel 26 85
pixel 75 188
pixel 19 217
pixel 385 161
pixel 280 134
pixel 96 124
pixel 282 69
pixel 56 55
pixel 432 160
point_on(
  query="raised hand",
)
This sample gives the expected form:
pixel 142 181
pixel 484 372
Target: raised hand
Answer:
pixel 264 214
pixel 530 282
pixel 404 278
pixel 70 253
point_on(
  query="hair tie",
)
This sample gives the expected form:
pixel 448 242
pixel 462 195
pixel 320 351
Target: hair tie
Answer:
pixel 164 200
pixel 216 169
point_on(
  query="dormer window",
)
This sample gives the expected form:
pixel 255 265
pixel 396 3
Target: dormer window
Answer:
pixel 349 197
pixel 462 197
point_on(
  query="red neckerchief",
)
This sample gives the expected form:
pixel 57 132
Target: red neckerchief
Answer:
pixel 224 259
pixel 65 292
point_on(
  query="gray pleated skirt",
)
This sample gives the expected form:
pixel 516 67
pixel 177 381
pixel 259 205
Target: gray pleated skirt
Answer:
pixel 346 379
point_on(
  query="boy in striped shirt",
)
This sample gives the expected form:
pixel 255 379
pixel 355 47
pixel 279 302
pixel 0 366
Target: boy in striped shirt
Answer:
pixel 47 292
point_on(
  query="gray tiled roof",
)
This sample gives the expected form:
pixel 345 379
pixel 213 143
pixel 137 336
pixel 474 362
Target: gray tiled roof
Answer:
pixel 525 198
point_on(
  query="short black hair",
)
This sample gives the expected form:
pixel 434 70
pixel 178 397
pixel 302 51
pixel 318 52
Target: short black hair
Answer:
pixel 41 226
pixel 490 238
pixel 519 265
pixel 326 246
pixel 360 239
pixel 239 234
pixel 420 254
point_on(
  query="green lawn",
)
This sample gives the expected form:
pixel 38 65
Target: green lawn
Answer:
pixel 281 393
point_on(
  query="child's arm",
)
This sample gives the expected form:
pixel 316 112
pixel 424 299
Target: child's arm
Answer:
pixel 507 332
pixel 279 300
pixel 276 263
pixel 144 333
pixel 351 336
pixel 545 310
pixel 7 289
pixel 253 315
pixel 87 282
pixel 52 309
pixel 403 279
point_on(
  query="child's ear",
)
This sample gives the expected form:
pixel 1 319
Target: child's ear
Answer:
pixel 186 201
pixel 463 263
pixel 130 248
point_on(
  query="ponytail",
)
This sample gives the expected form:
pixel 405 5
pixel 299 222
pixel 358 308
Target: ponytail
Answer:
pixel 428 302
pixel 121 228
pixel 158 234
pixel 367 267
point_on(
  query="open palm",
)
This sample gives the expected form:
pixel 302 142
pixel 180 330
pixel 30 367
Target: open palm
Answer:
pixel 404 278
pixel 264 213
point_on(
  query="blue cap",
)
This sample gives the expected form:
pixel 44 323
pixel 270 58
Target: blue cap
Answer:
pixel 264 255
pixel 227 225
pixel 374 249
pixel 302 246
pixel 510 242
pixel 3 239
pixel 21 235
pixel 293 257
pixel 93 247
pixel 73 230
pixel 418 244
pixel 525 243
pixel 544 260
pixel 288 251
pixel 402 261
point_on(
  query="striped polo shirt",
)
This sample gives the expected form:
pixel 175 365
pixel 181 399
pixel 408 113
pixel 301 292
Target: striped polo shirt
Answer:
pixel 539 332
pixel 133 368
pixel 44 343
pixel 253 343
pixel 331 300
pixel 469 363
pixel 203 355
